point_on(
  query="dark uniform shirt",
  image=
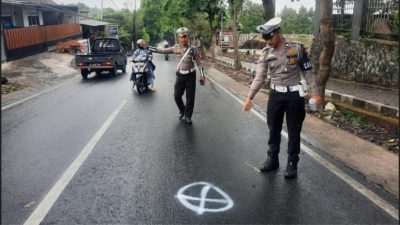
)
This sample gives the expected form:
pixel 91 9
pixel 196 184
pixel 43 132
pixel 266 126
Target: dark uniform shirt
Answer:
pixel 285 65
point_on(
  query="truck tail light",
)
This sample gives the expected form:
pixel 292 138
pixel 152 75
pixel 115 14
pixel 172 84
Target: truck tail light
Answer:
pixel 108 63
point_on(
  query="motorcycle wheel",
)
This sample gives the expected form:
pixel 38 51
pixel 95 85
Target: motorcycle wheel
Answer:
pixel 140 85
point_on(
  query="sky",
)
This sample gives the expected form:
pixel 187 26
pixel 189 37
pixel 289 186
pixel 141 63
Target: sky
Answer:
pixel 120 4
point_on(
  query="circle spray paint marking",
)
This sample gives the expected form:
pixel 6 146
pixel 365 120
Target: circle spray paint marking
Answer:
pixel 202 200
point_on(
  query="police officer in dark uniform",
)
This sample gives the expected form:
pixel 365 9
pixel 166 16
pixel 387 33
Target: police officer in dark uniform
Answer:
pixel 188 56
pixel 285 61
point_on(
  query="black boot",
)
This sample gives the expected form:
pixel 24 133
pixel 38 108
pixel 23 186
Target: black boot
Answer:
pixel 188 120
pixel 291 170
pixel 181 115
pixel 272 163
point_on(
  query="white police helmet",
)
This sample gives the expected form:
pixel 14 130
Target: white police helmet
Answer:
pixel 140 42
pixel 268 29
pixel 183 31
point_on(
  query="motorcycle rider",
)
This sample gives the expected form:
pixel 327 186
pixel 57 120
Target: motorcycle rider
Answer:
pixel 141 51
pixel 166 45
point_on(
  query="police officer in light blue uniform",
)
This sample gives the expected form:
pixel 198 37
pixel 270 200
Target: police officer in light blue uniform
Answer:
pixel 285 61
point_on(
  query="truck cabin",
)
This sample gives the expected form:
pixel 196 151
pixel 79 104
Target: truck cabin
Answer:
pixel 106 45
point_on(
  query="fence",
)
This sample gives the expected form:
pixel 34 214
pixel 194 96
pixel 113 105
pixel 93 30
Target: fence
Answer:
pixel 342 15
pixel 383 17
pixel 22 42
pixel 377 17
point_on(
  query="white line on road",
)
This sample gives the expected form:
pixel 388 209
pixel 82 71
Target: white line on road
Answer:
pixel 45 205
pixel 350 181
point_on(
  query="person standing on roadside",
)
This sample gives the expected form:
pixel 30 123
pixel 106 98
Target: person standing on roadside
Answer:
pixel 285 61
pixel 188 56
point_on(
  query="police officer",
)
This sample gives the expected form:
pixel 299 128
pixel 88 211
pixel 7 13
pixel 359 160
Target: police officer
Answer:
pixel 285 61
pixel 185 73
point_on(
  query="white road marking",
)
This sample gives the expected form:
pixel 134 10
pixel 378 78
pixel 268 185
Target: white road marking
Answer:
pixel 225 201
pixel 350 181
pixel 253 167
pixel 45 205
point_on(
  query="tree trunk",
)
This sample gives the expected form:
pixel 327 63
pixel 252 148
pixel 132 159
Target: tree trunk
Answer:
pixel 213 47
pixel 328 46
pixel 269 9
pixel 236 53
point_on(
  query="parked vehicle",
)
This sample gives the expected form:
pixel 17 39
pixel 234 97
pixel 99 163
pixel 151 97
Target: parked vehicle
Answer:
pixel 107 54
pixel 226 40
pixel 141 67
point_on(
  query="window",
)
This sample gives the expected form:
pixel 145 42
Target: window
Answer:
pixel 33 20
pixel 6 21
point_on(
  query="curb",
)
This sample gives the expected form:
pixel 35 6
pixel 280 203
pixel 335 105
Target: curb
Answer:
pixel 376 107
pixel 364 104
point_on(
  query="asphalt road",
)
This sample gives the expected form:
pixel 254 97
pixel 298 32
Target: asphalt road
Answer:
pixel 139 170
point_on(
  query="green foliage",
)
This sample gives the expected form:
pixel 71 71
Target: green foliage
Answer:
pixel 353 117
pixel 157 20
pixel 301 22
pixel 394 22
pixel 251 16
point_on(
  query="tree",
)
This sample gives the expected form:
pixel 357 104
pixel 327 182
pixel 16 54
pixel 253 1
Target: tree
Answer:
pixel 235 7
pixel 213 10
pixel 328 40
pixel 297 22
pixel 251 16
pixel 269 9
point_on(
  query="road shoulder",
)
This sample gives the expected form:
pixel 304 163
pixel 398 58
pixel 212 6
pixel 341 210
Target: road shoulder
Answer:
pixel 372 161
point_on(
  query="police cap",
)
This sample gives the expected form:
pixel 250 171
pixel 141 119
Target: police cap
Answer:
pixel 269 28
pixel 182 31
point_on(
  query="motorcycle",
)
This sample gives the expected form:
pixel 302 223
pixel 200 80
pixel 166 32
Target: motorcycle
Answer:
pixel 166 56
pixel 140 67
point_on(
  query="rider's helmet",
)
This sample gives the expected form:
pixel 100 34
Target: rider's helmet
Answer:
pixel 183 31
pixel 141 43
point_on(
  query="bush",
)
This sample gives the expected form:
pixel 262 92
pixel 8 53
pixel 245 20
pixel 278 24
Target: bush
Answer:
pixel 71 47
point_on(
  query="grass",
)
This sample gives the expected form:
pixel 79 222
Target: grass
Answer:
pixel 353 117
pixel 10 87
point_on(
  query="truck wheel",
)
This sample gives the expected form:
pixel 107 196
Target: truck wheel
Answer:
pixel 114 71
pixel 84 73
pixel 98 72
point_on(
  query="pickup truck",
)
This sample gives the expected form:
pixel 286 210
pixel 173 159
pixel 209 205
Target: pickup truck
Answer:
pixel 107 54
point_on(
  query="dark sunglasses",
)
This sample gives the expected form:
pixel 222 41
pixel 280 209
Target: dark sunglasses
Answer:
pixel 268 36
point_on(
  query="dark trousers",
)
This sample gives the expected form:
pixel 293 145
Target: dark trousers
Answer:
pixel 293 105
pixel 185 82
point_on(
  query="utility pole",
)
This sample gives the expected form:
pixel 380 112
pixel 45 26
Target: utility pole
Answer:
pixel 134 27
pixel 101 12
pixel 222 27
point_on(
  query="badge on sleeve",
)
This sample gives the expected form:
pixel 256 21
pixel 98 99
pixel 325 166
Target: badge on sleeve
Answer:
pixel 305 63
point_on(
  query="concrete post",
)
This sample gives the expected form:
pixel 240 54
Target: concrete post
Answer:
pixel 317 17
pixel 357 19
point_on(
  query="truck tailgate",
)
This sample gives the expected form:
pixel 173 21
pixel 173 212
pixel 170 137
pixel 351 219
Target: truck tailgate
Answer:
pixel 93 61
